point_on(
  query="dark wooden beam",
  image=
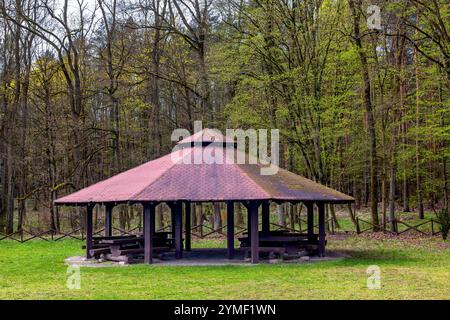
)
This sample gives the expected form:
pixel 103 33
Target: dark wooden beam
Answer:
pixel 187 226
pixel 177 222
pixel 108 219
pixel 265 216
pixel 89 230
pixel 245 203
pixel 254 236
pixel 149 229
pixel 310 219
pixel 153 217
pixel 321 207
pixel 230 229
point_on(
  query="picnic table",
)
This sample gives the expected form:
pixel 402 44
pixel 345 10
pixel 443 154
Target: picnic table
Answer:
pixel 126 248
pixel 281 242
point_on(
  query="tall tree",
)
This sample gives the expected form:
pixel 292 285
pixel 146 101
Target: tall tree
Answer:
pixel 356 9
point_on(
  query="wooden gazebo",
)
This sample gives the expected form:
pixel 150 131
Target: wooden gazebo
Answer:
pixel 177 179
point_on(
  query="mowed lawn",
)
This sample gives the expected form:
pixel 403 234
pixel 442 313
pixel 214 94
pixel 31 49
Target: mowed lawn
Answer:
pixel 410 269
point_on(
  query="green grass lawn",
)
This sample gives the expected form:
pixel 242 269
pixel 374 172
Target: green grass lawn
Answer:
pixel 410 269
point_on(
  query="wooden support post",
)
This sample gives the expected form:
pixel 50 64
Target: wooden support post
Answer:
pixel 187 226
pixel 149 229
pixel 265 216
pixel 254 236
pixel 321 207
pixel 310 219
pixel 177 222
pixel 108 219
pixel 230 229
pixel 153 219
pixel 89 230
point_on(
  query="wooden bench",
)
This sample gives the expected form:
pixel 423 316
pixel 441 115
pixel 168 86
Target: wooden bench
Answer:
pixel 141 250
pixel 119 248
pixel 272 251
pixel 159 239
pixel 99 238
pixel 134 255
pixel 122 240
pixel 96 246
pixel 99 251
pixel 291 242
pixel 280 240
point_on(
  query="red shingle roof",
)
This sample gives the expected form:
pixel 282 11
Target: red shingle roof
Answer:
pixel 177 177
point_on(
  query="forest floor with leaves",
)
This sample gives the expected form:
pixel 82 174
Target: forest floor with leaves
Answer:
pixel 412 267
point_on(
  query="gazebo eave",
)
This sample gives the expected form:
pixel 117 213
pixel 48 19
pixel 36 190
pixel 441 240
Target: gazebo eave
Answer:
pixel 276 200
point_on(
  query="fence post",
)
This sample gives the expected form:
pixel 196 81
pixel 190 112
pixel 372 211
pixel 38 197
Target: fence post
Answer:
pixel 358 230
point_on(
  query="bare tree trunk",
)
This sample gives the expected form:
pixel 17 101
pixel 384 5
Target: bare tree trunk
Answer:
pixel 443 156
pixel 299 215
pixel 383 196
pixel 95 218
pixel 281 212
pixel 291 215
pixel 198 40
pixel 217 218
pixel 352 214
pixel 17 107
pixel 122 217
pixel 445 182
pixel 405 193
pixel 404 139
pixel 159 8
pixel 239 215
pixel 193 214
pixel 333 216
pixel 3 153
pixel 159 217
pixel 356 13
pixel 9 191
pixel 418 175
pixel 200 218
pixel 3 195
pixel 384 173
pixel 24 132
pixel 392 199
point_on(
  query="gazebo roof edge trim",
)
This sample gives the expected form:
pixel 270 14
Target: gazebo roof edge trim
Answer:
pixel 78 204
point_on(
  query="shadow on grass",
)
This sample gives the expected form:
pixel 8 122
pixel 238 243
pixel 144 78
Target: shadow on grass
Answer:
pixel 371 256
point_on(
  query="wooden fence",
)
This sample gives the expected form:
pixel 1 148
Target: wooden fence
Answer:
pixel 204 230
pixel 365 226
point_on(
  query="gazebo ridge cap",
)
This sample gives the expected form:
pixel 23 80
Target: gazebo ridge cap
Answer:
pixel 205 137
